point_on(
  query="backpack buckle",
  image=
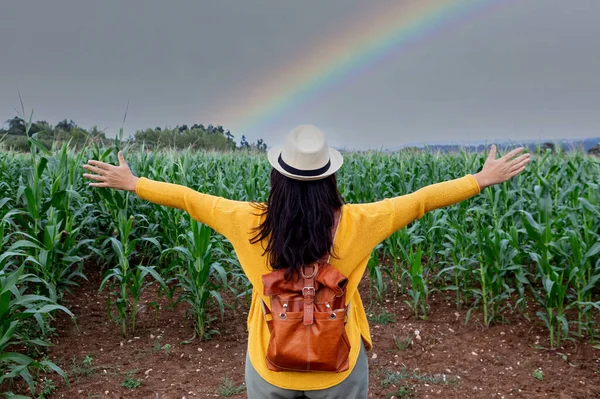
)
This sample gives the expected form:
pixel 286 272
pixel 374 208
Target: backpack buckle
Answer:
pixel 315 269
pixel 308 291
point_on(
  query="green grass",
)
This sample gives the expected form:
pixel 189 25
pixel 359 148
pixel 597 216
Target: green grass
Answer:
pixel 403 344
pixel 384 317
pixel 47 388
pixel 538 374
pixel 389 377
pixel 129 382
pixel 83 368
pixel 404 392
pixel 227 388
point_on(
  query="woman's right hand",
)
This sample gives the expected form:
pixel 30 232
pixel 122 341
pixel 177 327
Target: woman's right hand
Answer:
pixel 499 170
pixel 111 176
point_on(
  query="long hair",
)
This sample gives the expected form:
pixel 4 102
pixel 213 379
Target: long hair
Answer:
pixel 299 217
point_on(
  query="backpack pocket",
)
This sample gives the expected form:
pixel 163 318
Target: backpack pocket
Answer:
pixel 320 346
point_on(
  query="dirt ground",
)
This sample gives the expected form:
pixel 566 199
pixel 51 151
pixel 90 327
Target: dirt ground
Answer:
pixel 444 358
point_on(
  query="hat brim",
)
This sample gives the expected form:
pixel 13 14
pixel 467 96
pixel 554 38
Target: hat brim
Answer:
pixel 336 160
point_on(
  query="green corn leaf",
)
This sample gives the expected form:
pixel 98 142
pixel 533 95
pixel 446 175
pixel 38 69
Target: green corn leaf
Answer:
pixel 548 285
pixel 34 143
pixel 14 357
pixel 39 342
pixel 154 242
pixel 56 369
pixel 10 280
pixel 30 298
pixel 220 272
pixel 591 284
pixel 42 166
pixel 10 395
pixel 48 309
pixel 589 207
pixel 8 334
pixel 26 375
pixel 153 273
pixel 219 300
pixel 593 251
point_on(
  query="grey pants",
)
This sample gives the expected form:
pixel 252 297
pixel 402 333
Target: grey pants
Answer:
pixel 355 386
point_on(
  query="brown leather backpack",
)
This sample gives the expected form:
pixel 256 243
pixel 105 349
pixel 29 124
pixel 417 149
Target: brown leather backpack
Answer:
pixel 307 320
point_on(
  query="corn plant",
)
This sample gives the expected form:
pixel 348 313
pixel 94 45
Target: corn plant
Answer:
pixel 47 216
pixel 130 281
pixel 457 261
pixel 496 261
pixel 396 247
pixel 200 277
pixel 393 251
pixel 581 273
pixel 375 274
pixel 16 307
pixel 419 291
pixel 553 278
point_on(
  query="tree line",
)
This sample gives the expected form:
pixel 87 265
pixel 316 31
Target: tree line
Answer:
pixel 196 137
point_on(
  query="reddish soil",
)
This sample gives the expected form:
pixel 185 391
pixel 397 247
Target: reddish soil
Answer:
pixel 450 360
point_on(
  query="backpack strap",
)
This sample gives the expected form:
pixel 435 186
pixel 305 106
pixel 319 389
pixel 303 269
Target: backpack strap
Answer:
pixel 336 227
pixel 308 292
pixel 267 315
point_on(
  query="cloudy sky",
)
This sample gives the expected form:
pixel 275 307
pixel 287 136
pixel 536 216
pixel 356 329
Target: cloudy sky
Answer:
pixel 476 70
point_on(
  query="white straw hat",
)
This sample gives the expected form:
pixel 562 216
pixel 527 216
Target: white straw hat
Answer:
pixel 306 155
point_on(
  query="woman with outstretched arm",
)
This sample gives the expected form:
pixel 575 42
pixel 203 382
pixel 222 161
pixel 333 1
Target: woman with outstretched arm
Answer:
pixel 305 221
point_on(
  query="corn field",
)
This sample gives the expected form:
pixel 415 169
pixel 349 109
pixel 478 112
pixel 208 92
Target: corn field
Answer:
pixel 528 247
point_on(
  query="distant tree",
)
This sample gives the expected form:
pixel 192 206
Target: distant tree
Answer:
pixel 78 134
pixel 17 143
pixel 66 125
pixel 595 150
pixel 97 133
pixel 261 145
pixel 98 136
pixel 16 126
pixel 41 126
pixel 150 137
pixel 181 137
pixel 412 150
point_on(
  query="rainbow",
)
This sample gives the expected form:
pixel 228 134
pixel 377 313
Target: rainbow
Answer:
pixel 365 42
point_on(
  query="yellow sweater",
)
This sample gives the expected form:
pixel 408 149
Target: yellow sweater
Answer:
pixel 360 229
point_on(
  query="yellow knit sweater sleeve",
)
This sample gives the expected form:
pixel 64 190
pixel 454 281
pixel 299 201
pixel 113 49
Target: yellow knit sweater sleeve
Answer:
pixel 216 212
pixel 407 208
pixel 378 220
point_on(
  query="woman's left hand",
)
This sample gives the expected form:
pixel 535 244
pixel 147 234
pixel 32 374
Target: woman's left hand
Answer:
pixel 499 170
pixel 111 176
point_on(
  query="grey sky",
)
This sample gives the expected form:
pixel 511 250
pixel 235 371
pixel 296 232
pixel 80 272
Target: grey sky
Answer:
pixel 517 70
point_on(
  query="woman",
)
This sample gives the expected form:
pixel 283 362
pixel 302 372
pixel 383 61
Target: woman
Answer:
pixel 305 220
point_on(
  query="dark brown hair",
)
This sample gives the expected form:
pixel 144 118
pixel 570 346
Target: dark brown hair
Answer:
pixel 299 217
